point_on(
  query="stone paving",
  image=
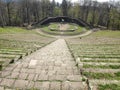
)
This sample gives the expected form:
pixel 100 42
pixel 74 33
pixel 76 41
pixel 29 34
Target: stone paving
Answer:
pixel 50 68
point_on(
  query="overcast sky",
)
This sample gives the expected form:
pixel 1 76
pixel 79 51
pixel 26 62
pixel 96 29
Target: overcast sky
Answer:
pixel 78 0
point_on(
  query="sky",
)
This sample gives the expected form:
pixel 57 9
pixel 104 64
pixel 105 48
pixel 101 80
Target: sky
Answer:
pixel 78 0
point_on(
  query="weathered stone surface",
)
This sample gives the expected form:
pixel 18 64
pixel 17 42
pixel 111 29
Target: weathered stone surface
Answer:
pixel 0 79
pixel 74 78
pixel 36 77
pixel 7 82
pixel 47 69
pixel 33 63
pixel 38 85
pixel 14 75
pixel 30 85
pixel 31 77
pixel 77 86
pixel 45 85
pixel 42 85
pixel 57 77
pixel 50 68
pixel 1 88
pixel 22 84
pixel 23 70
pixel 66 85
pixel 53 72
pixel 16 70
pixel 9 68
pixel 25 65
pixel 5 73
pixel 43 72
pixel 23 76
pixel 30 71
pixel 43 77
pixel 55 86
pixel 19 66
pixel 76 72
pixel 73 86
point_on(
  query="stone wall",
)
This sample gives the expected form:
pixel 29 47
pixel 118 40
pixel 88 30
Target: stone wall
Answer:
pixel 63 19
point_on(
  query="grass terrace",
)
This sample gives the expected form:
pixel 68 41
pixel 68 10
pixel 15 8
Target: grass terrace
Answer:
pixel 63 29
pixel 108 76
pixel 54 25
pixel 100 55
pixel 102 66
pixel 109 87
pixel 16 43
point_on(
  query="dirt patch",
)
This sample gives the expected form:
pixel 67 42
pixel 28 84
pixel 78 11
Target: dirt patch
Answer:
pixel 63 26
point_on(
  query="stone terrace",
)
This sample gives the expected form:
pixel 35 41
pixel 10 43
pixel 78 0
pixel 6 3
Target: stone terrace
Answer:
pixel 50 68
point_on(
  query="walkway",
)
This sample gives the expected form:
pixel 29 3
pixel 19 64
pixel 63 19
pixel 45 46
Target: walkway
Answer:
pixel 50 68
pixel 64 26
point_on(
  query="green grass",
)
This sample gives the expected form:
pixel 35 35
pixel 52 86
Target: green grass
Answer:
pixel 117 74
pixel 97 56
pixel 73 26
pixel 46 29
pixel 113 61
pixel 102 66
pixel 53 25
pixel 17 45
pixel 92 75
pixel 109 87
pixel 13 30
pixel 109 76
pixel 107 33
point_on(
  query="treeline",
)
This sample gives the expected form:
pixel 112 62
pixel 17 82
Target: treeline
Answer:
pixel 26 12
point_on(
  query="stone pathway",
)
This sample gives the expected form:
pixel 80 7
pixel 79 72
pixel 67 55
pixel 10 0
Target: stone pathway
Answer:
pixel 64 26
pixel 50 68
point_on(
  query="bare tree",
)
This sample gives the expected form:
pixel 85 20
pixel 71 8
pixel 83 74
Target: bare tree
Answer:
pixel 1 15
pixel 64 8
pixel 19 12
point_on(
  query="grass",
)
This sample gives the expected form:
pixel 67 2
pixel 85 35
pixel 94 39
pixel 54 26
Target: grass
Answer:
pixel 102 66
pixel 102 51
pixel 113 61
pixel 109 87
pixel 17 42
pixel 13 30
pixel 12 47
pixel 107 33
pixel 101 46
pixel 98 56
pixel 92 75
pixel 73 26
pixel 109 76
pixel 53 25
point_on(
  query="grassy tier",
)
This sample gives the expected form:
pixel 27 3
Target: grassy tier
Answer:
pixel 103 60
pixel 99 58
pixel 109 87
pixel 102 66
pixel 109 76
pixel 16 42
pixel 71 29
